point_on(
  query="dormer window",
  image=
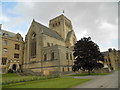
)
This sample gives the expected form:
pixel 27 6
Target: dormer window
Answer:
pixel 5 34
pixel 17 38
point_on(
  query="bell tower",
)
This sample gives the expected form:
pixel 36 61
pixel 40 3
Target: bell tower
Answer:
pixel 61 24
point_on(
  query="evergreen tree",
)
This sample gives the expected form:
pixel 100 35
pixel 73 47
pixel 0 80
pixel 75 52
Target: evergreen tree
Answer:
pixel 87 55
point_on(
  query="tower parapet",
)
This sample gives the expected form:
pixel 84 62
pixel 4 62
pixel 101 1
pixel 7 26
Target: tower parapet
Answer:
pixel 62 25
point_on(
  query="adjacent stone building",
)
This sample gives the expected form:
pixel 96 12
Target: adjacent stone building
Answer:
pixel 11 47
pixel 112 59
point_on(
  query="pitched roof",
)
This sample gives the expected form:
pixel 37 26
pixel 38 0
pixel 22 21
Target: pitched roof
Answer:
pixel 6 33
pixel 68 35
pixel 62 15
pixel 49 32
pixel 105 53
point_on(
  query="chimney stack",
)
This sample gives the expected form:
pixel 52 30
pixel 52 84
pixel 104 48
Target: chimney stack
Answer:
pixel 0 26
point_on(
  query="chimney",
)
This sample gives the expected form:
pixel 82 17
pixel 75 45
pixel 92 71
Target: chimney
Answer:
pixel 0 26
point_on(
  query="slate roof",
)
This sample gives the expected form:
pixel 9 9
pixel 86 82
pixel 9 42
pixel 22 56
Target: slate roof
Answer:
pixel 6 33
pixel 68 35
pixel 49 32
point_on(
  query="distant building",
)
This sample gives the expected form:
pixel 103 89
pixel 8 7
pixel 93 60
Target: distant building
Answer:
pixel 11 47
pixel 112 59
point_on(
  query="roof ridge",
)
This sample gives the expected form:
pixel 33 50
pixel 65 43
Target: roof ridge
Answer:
pixel 7 31
pixel 49 30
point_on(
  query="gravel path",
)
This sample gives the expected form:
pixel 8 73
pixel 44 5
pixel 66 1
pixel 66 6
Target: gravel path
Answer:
pixel 106 81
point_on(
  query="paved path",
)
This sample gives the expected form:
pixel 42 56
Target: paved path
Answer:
pixel 107 81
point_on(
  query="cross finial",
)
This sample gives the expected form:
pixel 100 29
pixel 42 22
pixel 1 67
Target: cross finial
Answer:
pixel 63 11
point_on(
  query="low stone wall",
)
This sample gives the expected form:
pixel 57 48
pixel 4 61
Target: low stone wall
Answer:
pixel 105 70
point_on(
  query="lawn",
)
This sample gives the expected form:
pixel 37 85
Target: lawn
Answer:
pixel 15 78
pixel 61 82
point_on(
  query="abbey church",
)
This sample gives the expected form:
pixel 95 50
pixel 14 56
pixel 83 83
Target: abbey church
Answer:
pixel 45 50
pixel 49 49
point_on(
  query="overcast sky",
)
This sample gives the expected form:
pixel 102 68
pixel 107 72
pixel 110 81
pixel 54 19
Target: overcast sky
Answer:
pixel 99 20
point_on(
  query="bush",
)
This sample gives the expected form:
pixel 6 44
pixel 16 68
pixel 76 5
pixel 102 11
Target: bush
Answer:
pixel 10 71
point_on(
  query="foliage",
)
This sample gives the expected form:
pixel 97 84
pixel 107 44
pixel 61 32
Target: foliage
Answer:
pixel 87 55
pixel 10 71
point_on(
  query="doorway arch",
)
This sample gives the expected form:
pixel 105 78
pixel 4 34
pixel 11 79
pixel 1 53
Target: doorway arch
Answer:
pixel 14 66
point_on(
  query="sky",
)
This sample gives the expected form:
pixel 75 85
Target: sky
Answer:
pixel 99 20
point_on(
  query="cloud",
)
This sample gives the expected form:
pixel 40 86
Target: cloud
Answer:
pixel 4 19
pixel 99 20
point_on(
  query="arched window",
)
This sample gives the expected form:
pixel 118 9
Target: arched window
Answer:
pixel 68 68
pixel 4 61
pixel 70 56
pixel 52 56
pixel 48 44
pixel 63 69
pixel 33 45
pixel 53 25
pixel 45 57
pixel 58 23
pixel 67 55
pixel 5 42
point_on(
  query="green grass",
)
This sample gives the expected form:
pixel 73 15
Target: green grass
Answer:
pixel 63 82
pixel 10 75
pixel 86 74
pixel 15 78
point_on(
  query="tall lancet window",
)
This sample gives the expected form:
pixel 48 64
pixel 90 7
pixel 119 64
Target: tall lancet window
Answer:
pixel 33 45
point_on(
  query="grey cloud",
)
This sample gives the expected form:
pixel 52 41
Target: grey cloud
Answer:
pixel 84 16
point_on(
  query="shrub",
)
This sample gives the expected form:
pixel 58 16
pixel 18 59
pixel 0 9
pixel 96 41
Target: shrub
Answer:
pixel 10 71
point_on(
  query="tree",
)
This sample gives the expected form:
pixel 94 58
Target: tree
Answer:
pixel 87 55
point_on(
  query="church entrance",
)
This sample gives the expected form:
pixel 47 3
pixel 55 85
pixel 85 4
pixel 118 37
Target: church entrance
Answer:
pixel 14 67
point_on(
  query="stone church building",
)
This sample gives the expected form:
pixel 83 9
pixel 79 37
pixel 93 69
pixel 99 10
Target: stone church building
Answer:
pixel 46 50
pixel 49 49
